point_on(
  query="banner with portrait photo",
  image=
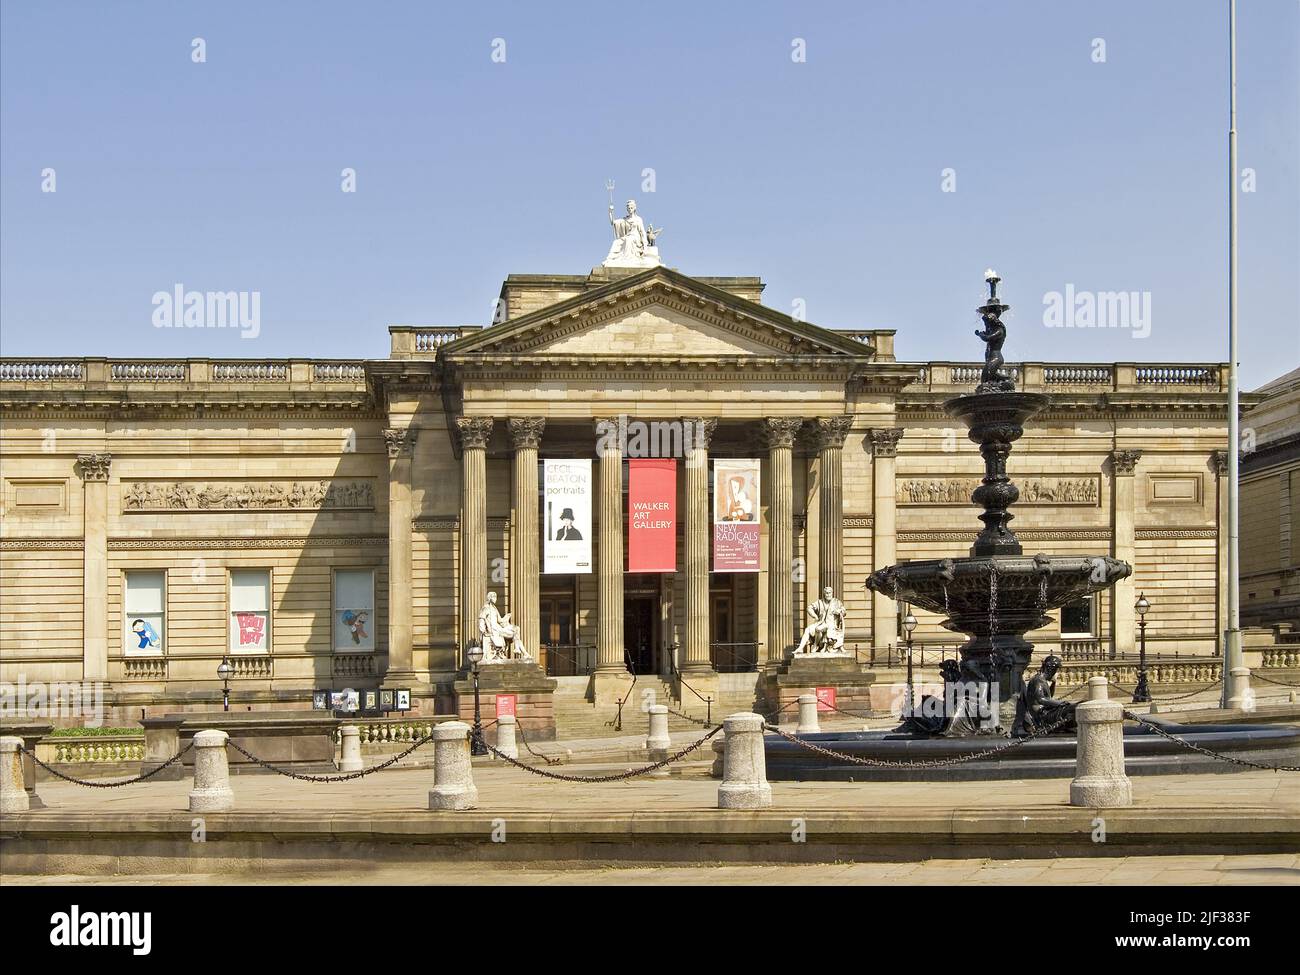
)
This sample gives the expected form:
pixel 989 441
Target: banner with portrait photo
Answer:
pixel 566 516
pixel 736 527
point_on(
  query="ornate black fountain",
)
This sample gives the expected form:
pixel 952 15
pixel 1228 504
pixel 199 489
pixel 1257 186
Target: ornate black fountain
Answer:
pixel 995 596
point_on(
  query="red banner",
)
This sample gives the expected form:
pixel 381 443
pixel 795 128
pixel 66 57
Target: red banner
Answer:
pixel 652 515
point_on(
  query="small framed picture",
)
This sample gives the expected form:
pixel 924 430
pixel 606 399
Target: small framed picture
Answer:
pixel 402 699
pixel 345 700
pixel 386 702
pixel 320 700
pixel 369 700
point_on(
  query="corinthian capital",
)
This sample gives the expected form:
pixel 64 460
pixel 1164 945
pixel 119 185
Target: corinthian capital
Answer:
pixel 1219 458
pixel 1125 461
pixel 698 431
pixel 884 441
pixel 94 467
pixel 831 431
pixel 781 430
pixel 474 431
pixel 526 431
pixel 400 442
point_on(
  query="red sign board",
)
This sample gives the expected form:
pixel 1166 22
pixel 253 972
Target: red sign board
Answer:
pixel 825 699
pixel 506 704
pixel 652 514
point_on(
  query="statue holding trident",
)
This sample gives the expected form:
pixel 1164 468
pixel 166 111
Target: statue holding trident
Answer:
pixel 634 242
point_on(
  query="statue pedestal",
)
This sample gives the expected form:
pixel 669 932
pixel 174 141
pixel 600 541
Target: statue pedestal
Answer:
pixel 532 690
pixel 803 673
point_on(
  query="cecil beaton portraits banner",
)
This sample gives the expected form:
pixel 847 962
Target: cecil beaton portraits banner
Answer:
pixel 566 516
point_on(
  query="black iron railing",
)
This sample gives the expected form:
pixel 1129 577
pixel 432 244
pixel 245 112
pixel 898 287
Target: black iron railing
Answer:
pixel 734 658
pixel 569 659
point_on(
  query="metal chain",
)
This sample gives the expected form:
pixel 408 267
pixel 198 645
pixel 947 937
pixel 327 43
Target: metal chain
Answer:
pixel 305 777
pixel 536 754
pixel 1205 751
pixel 699 721
pixel 1256 675
pixel 618 777
pixel 1167 700
pixel 113 785
pixel 924 763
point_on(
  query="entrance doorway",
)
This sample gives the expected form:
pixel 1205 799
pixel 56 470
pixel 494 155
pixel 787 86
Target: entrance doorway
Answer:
pixel 640 632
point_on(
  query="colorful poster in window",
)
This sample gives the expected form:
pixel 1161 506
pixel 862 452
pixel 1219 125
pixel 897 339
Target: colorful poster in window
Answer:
pixel 736 527
pixel 652 515
pixel 566 516
pixel 251 631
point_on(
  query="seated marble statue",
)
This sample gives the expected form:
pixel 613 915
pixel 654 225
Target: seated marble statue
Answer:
pixel 825 634
pixel 500 637
pixel 1037 709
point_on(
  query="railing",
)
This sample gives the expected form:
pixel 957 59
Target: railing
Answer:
pixel 103 749
pixel 569 660
pixel 1083 650
pixel 409 340
pixel 144 668
pixel 1073 375
pixel 250 665
pixel 1273 658
pixel 250 372
pixel 15 371
pixel 1078 375
pixel 392 731
pixel 1187 670
pixel 353 665
pixel 338 372
pixel 148 372
pixel 734 658
pixel 895 654
pixel 1176 375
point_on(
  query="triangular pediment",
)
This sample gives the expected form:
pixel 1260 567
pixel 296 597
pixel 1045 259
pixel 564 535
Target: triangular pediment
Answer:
pixel 658 313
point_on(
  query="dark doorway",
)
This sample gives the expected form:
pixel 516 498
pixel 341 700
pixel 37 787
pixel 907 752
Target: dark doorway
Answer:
pixel 640 618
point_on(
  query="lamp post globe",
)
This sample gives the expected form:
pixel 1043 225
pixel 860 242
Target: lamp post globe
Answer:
pixel 909 624
pixel 474 654
pixel 1142 693
pixel 224 670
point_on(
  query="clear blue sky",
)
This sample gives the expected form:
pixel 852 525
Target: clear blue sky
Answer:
pixel 822 177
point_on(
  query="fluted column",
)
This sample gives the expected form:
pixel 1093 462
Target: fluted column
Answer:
pixel 400 444
pixel 525 567
pixel 884 452
pixel 1123 619
pixel 831 432
pixel 609 598
pixel 695 657
pixel 781 432
pixel 474 432
pixel 94 470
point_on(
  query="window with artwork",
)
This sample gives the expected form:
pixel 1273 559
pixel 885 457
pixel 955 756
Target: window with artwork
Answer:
pixel 354 609
pixel 250 610
pixel 1079 618
pixel 144 599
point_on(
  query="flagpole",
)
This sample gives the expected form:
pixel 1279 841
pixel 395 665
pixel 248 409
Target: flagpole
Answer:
pixel 1232 657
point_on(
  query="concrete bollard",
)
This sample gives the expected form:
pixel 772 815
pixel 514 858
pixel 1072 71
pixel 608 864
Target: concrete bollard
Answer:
pixel 719 756
pixel 350 748
pixel 453 781
pixel 809 724
pixel 211 792
pixel 506 743
pixel 744 764
pixel 1239 692
pixel 1099 778
pixel 658 736
pixel 13 794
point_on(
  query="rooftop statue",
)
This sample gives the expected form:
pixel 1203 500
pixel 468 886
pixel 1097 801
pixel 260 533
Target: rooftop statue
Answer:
pixel 634 241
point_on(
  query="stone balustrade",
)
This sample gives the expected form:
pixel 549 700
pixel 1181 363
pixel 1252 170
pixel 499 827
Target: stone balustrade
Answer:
pixel 250 372
pixel 392 731
pixel 1185 670
pixel 425 340
pixel 1280 656
pixel 1117 376
pixel 92 749
pixel 91 374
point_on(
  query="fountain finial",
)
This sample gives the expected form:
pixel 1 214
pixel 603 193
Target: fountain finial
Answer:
pixel 994 334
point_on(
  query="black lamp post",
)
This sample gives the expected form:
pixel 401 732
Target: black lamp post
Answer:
pixel 1142 693
pixel 909 624
pixel 476 744
pixel 224 671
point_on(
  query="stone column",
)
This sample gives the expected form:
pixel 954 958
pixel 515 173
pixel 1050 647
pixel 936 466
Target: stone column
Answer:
pixel 94 469
pixel 884 451
pixel 474 433
pixel 611 668
pixel 525 563
pixel 1219 461
pixel 831 432
pixel 1123 623
pixel 781 432
pixel 695 654
pixel 211 791
pixel 1099 780
pixel 744 764
pixel 400 444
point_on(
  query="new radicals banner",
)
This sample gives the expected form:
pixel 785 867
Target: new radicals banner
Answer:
pixel 652 515
pixel 735 516
pixel 566 516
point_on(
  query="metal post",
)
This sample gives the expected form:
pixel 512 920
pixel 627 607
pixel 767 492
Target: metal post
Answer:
pixel 477 746
pixel 1232 638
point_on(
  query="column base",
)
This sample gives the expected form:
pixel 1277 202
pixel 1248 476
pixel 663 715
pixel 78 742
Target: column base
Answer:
pixel 608 687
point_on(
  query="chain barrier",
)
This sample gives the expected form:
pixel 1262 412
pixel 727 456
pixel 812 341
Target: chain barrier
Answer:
pixel 1256 675
pixel 617 777
pixel 1167 700
pixel 922 763
pixel 112 785
pixel 1205 751
pixel 699 721
pixel 344 777
pixel 773 714
pixel 536 754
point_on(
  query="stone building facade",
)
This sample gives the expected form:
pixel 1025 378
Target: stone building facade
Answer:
pixel 1270 497
pixel 160 516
